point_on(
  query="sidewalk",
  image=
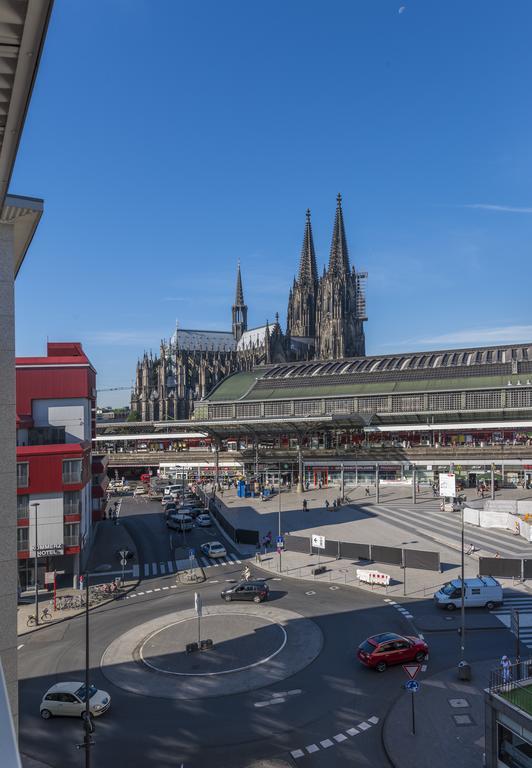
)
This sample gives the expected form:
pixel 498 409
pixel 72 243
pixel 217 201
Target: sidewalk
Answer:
pixel 449 721
pixel 108 539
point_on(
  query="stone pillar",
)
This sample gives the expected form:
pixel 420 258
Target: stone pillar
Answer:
pixel 300 468
pixel 8 475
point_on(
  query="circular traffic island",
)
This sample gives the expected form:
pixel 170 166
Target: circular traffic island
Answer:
pixel 252 647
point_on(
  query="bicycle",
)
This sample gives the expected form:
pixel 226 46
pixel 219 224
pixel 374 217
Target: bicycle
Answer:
pixel 46 615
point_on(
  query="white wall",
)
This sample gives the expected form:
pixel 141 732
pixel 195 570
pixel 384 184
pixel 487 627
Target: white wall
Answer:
pixel 49 520
pixel 73 414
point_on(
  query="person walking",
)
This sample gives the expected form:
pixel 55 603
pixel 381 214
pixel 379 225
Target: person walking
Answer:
pixel 305 505
pixel 367 491
pixel 327 505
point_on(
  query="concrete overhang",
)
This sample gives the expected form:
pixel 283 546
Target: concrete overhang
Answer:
pixel 24 214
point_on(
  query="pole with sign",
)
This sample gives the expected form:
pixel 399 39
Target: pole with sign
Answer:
pixel 318 542
pixel 123 562
pixel 198 609
pixel 447 484
pixel 514 618
pixel 412 686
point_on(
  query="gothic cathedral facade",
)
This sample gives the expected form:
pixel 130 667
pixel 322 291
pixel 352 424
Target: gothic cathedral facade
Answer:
pixel 325 320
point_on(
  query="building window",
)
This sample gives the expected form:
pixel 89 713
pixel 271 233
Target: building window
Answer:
pixel 407 403
pixel 220 411
pixel 71 534
pixel 277 409
pixel 307 407
pixel 248 410
pixel 23 507
pixel 23 475
pixel 518 398
pixel 449 401
pixel 338 406
pixel 72 471
pixel 512 749
pixel 72 503
pixel 372 404
pixel 483 400
pixel 23 539
pixel 46 436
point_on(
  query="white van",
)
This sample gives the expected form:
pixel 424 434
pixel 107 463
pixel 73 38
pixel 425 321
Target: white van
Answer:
pixel 180 522
pixel 172 490
pixel 484 592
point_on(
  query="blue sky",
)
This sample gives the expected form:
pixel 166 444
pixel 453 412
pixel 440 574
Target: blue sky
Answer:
pixel 170 139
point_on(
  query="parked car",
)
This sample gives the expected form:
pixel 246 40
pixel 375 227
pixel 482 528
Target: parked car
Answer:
pixel 204 521
pixel 247 590
pixel 140 490
pixel 69 699
pixel 482 592
pixel 170 506
pixel 386 649
pixel 179 522
pixel 213 549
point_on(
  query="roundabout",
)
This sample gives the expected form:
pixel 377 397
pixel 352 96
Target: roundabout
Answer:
pixel 252 647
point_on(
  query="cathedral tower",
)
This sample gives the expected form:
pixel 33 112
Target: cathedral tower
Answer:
pixel 239 310
pixel 301 315
pixel 340 309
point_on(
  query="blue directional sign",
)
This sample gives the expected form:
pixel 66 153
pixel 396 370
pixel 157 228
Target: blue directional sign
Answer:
pixel 280 542
pixel 191 553
pixel 412 686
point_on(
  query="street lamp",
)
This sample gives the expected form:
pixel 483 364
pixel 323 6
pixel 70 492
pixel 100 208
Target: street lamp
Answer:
pixel 279 522
pixel 462 606
pixel 35 506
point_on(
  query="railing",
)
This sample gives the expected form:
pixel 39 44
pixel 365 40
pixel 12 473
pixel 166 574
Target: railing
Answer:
pixel 514 683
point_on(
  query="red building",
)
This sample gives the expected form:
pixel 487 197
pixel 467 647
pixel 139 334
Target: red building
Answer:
pixel 56 411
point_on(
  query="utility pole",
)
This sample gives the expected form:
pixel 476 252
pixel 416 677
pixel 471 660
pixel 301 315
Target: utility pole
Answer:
pixel 87 697
pixel 377 483
pixel 279 523
pixel 35 506
pixel 462 607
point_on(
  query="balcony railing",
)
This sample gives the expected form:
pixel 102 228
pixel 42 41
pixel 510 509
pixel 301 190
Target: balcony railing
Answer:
pixel 71 541
pixel 514 684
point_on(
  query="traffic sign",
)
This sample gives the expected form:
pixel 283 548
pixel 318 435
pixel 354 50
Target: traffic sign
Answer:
pixel 448 484
pixel 198 604
pixel 123 562
pixel 411 670
pixel 123 553
pixel 318 541
pixel 412 686
pixel 280 542
pixel 191 554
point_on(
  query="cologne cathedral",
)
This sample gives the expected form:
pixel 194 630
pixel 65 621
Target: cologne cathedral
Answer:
pixel 324 321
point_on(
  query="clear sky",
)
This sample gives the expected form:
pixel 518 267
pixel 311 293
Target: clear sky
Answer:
pixel 170 139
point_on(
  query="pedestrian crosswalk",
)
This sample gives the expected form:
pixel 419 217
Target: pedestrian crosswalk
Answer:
pixel 523 604
pixel 162 568
pixel 426 519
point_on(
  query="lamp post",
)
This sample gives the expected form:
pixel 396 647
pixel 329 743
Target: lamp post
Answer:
pixel 35 506
pixel 462 606
pixel 279 523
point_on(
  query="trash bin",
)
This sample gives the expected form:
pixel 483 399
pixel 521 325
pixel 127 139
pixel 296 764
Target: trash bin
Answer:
pixel 464 671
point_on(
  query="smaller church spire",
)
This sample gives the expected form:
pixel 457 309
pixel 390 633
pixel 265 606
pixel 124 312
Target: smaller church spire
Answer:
pixel 239 309
pixel 239 297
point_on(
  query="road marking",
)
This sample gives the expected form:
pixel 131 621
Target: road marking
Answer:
pixel 157 589
pixel 326 743
pixel 422 637
pixel 340 737
pixel 270 702
pixel 297 753
pixel 364 726
pixel 215 581
pixel 146 569
pixel 140 593
pixel 133 594
pixel 312 748
pixel 294 692
pixel 20 646
pixel 173 586
pixel 334 587
pixel 276 578
pixel 373 720
pixel 310 592
pixel 149 591
pixel 136 570
pixel 352 731
pixel 166 587
pixel 388 600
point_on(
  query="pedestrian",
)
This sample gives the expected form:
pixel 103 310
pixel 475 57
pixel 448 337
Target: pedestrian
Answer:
pixel 417 487
pixel 506 666
pixel 257 553
pixel 305 505
pixel 307 485
pixel 497 555
pixel 334 503
pixel 320 485
pixel 327 505
pixel 367 491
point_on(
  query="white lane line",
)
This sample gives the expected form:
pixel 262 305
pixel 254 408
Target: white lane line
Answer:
pixel 133 594
pixel 146 569
pixel 276 578
pixel 170 566
pixel 136 573
pixel 387 600
pixel 297 753
pixel 173 586
pixel 149 591
pixel 215 581
pixel 312 748
pixel 293 692
pixel 408 615
pixel 166 587
pixel 326 743
pixel 340 737
pixel 20 646
pixel 352 731
pixel 140 593
pixel 157 589
pixel 390 602
pixel 373 720
pixel 364 726
pixel 154 569
pixel 310 592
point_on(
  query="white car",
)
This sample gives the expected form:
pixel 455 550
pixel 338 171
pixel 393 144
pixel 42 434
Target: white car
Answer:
pixel 68 699
pixel 203 520
pixel 213 549
pixel 140 490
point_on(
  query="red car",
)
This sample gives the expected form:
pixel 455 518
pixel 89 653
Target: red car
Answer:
pixel 381 651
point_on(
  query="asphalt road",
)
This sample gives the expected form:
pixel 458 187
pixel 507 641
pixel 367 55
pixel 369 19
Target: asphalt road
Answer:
pixel 335 693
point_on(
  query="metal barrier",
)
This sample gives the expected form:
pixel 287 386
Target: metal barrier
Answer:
pixel 500 566
pixel 422 559
pixel 297 544
pixel 388 555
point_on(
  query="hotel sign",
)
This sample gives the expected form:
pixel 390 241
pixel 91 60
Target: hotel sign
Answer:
pixel 44 550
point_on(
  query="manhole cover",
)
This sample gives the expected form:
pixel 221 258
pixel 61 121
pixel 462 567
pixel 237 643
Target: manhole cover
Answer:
pixel 458 703
pixel 463 720
pixel 449 618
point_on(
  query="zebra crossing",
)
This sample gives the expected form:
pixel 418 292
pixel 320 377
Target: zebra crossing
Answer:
pixel 523 604
pixel 163 568
pixel 426 519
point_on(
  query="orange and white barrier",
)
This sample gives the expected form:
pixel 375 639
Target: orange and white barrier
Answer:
pixel 374 577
